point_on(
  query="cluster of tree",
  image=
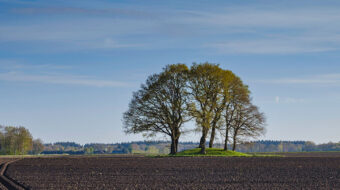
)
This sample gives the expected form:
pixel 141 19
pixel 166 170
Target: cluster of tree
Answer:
pixel 63 148
pixel 140 147
pixel 311 146
pixel 162 147
pixel 273 146
pixel 287 146
pixel 18 141
pixel 216 99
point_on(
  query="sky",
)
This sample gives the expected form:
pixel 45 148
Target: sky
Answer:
pixel 68 67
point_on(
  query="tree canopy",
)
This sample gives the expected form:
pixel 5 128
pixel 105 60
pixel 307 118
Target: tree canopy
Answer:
pixel 216 99
pixel 160 106
pixel 15 140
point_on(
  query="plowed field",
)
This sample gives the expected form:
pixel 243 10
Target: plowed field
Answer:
pixel 177 173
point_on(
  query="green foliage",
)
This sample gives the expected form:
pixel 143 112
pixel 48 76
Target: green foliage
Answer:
pixel 152 150
pixel 206 86
pixel 15 140
pixel 215 98
pixel 212 152
pixel 89 150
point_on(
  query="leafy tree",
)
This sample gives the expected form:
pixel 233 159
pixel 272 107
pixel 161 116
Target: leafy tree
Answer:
pixel 160 105
pixel 24 141
pixel 216 98
pixel 235 94
pixel 205 82
pixel 16 140
pixel 221 104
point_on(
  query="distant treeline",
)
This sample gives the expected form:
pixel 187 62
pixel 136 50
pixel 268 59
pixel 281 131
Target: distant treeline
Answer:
pixel 163 147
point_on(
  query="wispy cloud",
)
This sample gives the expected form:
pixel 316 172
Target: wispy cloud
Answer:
pixel 116 12
pixel 10 64
pixel 273 46
pixel 60 79
pixel 270 31
pixel 109 43
pixel 247 29
pixel 267 16
pixel 325 79
pixel 76 34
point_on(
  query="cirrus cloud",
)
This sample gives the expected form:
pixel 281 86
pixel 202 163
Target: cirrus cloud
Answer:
pixel 60 79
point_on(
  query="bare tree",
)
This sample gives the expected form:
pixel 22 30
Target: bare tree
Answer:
pixel 160 106
pixel 38 146
pixel 248 122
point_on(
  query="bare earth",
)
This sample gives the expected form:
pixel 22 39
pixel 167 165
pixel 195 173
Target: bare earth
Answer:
pixel 112 172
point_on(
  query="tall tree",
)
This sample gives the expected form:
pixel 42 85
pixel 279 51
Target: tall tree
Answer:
pixel 248 122
pixel 160 106
pixel 10 138
pixel 235 93
pixel 16 140
pixel 216 123
pixel 24 141
pixel 205 82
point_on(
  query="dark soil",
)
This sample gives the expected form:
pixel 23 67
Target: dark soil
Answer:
pixel 2 162
pixel 309 154
pixel 177 173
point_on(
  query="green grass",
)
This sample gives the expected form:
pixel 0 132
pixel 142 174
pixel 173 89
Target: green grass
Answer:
pixel 212 152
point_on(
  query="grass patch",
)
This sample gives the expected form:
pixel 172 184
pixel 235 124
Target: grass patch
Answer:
pixel 212 152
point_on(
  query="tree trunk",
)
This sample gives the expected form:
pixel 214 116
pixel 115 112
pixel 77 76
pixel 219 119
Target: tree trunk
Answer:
pixel 173 146
pixel 226 139
pixel 174 142
pixel 212 137
pixel 203 141
pixel 203 147
pixel 234 143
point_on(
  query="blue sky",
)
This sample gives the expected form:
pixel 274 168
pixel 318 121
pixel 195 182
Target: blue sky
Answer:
pixel 68 68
